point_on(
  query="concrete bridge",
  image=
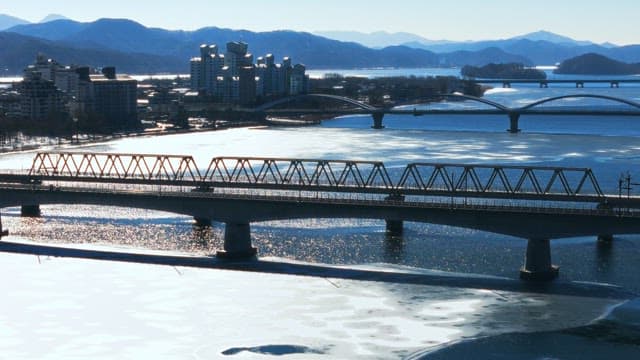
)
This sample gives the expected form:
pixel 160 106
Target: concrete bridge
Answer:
pixel 544 83
pixel 533 203
pixel 354 107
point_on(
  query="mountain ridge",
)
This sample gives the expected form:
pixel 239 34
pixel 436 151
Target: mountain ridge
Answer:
pixel 126 36
pixel 120 37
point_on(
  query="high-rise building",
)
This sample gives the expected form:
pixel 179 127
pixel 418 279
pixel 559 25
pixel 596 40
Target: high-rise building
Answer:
pixel 298 80
pixel 50 90
pixel 233 78
pixel 206 69
pixel 115 98
pixel 40 99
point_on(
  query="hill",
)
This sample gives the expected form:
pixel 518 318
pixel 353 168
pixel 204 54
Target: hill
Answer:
pixel 595 64
pixel 7 21
pixel 127 36
pixel 22 50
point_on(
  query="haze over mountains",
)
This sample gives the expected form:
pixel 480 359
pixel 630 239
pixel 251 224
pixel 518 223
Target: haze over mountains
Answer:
pixel 135 48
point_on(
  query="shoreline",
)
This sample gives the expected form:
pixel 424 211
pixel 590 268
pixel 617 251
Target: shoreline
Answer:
pixel 107 138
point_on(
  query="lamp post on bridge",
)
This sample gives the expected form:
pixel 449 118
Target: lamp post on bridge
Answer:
pixel 624 183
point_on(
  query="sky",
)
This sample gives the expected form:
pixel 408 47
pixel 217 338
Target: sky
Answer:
pixel 594 20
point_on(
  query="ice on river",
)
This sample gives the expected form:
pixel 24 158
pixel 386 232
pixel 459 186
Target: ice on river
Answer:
pixel 62 308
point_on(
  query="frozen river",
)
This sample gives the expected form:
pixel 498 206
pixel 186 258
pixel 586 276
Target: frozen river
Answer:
pixel 65 308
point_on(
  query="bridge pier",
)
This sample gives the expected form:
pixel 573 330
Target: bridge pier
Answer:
pixel 394 227
pixel 537 263
pixel 377 120
pixel 202 221
pixel 30 211
pixel 513 123
pixel 605 238
pixel 3 232
pixel 237 241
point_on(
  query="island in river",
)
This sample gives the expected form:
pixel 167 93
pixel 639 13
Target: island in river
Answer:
pixel 596 64
pixel 503 71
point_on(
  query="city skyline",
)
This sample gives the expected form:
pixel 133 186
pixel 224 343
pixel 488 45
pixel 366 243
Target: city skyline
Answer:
pixel 464 20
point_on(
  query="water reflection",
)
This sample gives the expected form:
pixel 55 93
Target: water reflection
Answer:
pixel 604 255
pixel 393 249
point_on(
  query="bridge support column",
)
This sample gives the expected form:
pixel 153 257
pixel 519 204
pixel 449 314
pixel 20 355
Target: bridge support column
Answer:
pixel 3 232
pixel 30 211
pixel 537 262
pixel 202 222
pixel 394 227
pixel 513 123
pixel 377 120
pixel 605 238
pixel 237 241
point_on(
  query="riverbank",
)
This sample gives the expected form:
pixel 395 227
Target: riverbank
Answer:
pixel 84 139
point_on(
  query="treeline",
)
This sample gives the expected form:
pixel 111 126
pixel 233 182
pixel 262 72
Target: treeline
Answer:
pixel 503 71
pixel 59 125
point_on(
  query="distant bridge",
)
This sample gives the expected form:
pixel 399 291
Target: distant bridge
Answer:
pixel 494 108
pixel 534 203
pixel 544 83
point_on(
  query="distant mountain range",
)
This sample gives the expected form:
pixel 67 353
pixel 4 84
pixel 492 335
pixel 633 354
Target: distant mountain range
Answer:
pixel 118 37
pixel 379 39
pixel 134 48
pixel 7 21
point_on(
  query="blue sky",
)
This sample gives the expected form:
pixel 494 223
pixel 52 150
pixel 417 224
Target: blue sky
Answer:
pixel 595 20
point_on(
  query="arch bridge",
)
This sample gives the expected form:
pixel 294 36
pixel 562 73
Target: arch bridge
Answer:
pixel 493 108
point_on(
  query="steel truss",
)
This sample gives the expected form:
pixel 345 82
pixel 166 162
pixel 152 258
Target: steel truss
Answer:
pixel 115 166
pixel 324 175
pixel 303 172
pixel 513 180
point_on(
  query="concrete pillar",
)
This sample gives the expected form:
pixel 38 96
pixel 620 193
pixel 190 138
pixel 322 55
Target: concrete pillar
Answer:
pixel 237 241
pixel 3 232
pixel 605 238
pixel 537 262
pixel 377 120
pixel 202 221
pixel 513 123
pixel 394 227
pixel 30 211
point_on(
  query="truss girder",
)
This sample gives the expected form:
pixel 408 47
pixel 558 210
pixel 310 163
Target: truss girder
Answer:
pixel 303 172
pixel 428 178
pixel 115 166
pixel 460 178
